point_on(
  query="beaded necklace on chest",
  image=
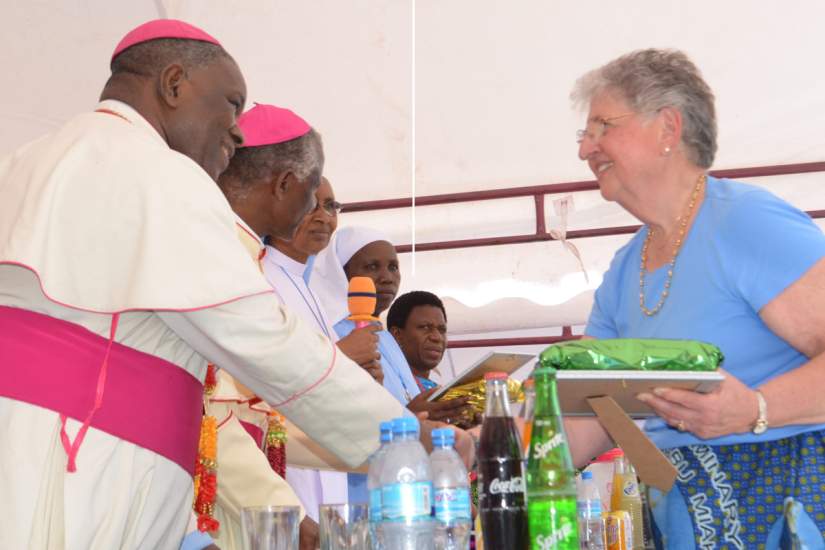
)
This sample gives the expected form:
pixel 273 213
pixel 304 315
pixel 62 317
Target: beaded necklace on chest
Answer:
pixel 677 246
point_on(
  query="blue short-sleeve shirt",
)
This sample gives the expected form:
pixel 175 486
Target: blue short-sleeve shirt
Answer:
pixel 745 247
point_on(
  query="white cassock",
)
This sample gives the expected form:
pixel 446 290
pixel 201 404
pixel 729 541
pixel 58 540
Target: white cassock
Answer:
pixel 313 487
pixel 245 477
pixel 101 217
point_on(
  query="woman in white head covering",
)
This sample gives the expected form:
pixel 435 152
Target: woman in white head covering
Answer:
pixel 361 251
pixel 328 279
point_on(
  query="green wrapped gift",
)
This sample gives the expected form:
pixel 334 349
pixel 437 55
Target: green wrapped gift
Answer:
pixel 633 354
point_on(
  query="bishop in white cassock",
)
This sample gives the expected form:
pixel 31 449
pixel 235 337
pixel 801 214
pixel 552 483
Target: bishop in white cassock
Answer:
pixel 266 184
pixel 113 232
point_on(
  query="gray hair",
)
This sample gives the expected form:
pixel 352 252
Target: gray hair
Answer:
pixel 149 58
pixel 303 156
pixel 650 80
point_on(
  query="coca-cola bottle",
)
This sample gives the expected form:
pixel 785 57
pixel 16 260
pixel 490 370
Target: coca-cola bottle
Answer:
pixel 551 485
pixel 500 476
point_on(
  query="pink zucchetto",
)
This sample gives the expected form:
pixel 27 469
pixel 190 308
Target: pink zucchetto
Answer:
pixel 268 125
pixel 162 28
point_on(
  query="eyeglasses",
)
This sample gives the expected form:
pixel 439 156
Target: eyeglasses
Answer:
pixel 332 208
pixel 597 127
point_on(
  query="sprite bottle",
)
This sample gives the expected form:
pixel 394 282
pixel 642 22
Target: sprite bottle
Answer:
pixel 551 479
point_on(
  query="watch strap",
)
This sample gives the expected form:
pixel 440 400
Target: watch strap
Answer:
pixel 761 423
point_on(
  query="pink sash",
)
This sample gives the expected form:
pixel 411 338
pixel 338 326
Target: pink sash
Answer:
pixel 63 367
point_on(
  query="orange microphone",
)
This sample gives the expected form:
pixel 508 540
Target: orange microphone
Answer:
pixel 361 300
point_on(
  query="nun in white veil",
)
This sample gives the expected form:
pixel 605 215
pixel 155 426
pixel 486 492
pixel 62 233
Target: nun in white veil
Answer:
pixel 329 281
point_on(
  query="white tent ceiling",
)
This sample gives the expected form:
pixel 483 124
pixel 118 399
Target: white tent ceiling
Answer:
pixel 458 95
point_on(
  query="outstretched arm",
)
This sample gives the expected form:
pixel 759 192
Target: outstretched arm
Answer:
pixel 294 369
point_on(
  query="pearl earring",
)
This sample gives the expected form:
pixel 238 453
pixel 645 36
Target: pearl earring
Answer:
pixel 666 151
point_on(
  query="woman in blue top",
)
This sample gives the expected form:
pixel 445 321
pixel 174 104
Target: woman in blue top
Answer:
pixel 722 262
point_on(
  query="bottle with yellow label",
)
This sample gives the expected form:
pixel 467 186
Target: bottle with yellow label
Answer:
pixel 626 496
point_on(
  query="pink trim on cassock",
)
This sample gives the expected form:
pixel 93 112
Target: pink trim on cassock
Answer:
pixel 225 420
pixel 255 432
pixel 312 386
pixel 139 398
pixel 127 310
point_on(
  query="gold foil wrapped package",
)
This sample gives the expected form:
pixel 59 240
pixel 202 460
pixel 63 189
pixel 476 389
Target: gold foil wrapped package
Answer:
pixel 477 393
pixel 633 354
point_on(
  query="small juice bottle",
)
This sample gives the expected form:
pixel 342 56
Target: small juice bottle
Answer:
pixel 626 497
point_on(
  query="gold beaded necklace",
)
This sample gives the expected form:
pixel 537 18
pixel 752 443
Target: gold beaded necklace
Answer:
pixel 683 222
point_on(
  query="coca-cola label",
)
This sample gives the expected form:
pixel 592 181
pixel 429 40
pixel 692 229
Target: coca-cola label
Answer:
pixel 507 486
pixel 549 542
pixel 501 483
pixel 541 450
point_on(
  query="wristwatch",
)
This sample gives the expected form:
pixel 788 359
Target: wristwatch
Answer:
pixel 761 425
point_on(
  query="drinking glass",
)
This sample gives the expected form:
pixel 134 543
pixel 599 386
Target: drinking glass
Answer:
pixel 270 527
pixel 344 526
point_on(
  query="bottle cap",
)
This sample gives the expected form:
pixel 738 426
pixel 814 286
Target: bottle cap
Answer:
pixel 443 437
pixel 610 455
pixel 587 475
pixel 495 376
pixel 404 425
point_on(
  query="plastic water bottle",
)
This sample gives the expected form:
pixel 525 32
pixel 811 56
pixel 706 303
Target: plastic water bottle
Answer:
pixel 451 494
pixel 406 490
pixel 374 485
pixel 589 508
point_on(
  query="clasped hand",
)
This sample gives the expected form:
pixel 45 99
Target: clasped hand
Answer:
pixel 361 345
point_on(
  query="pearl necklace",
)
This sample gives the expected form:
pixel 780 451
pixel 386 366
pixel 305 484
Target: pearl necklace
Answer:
pixel 683 222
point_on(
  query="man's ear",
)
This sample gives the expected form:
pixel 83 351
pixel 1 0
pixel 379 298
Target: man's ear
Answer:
pixel 170 82
pixel 282 184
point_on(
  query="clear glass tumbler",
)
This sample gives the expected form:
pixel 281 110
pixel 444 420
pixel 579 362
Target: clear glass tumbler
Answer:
pixel 344 526
pixel 270 527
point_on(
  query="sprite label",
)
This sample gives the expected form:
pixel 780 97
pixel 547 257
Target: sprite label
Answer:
pixel 551 487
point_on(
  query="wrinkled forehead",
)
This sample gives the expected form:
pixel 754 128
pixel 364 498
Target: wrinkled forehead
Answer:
pixel 608 102
pixel 428 313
